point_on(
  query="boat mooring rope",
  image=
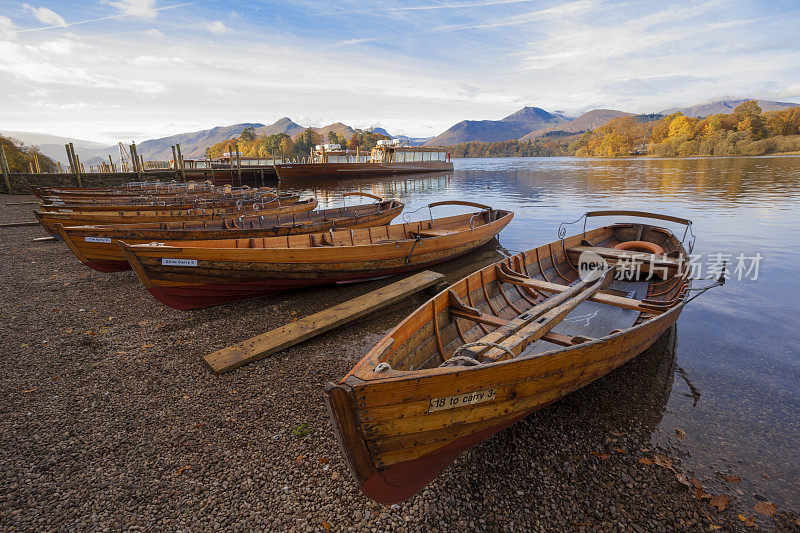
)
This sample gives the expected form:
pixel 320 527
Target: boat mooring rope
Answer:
pixel 463 347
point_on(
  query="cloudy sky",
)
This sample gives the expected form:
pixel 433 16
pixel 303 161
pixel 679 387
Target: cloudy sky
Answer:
pixel 113 70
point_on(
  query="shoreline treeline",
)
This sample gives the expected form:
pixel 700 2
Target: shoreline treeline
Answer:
pixel 745 131
pixel 297 147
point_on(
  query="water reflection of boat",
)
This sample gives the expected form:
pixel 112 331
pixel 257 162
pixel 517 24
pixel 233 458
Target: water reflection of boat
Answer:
pixel 634 395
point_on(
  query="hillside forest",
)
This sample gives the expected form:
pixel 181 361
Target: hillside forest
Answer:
pixel 20 156
pixel 745 131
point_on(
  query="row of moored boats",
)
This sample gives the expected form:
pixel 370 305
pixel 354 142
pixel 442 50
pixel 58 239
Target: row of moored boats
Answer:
pixel 485 352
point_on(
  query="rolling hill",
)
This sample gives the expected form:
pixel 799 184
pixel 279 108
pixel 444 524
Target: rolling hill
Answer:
pixel 513 126
pixel 588 121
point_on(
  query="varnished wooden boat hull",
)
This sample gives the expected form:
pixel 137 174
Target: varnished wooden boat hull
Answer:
pixel 224 273
pixel 389 422
pixel 182 203
pixel 98 246
pixel 48 220
pixel 402 480
pixel 299 171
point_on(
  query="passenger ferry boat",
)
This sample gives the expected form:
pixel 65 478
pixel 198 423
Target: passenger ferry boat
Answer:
pixel 388 157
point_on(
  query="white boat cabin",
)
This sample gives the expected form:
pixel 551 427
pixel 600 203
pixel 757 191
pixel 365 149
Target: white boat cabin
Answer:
pixel 387 151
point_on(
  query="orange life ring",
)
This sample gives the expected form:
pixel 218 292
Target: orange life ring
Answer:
pixel 640 246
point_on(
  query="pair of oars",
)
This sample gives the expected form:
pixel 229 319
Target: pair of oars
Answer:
pixel 517 334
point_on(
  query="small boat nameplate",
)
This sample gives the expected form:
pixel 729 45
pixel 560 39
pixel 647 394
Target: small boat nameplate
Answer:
pixel 179 262
pixel 97 239
pixel 461 400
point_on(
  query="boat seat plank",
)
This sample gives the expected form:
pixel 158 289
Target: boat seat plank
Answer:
pixel 435 232
pixel 242 353
pixel 627 255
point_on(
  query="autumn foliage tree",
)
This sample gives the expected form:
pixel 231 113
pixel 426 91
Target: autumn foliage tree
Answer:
pixel 20 156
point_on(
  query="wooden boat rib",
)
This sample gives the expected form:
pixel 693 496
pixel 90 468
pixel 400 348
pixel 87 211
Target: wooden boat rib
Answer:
pixel 496 346
pixel 48 219
pixel 194 274
pixel 98 246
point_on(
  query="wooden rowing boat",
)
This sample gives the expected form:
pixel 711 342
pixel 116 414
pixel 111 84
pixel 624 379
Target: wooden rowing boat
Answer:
pixel 184 196
pixel 98 246
pixel 257 201
pixel 48 219
pixel 125 189
pixel 499 344
pixel 192 274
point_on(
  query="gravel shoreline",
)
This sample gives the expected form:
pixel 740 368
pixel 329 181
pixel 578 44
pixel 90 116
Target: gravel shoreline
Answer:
pixel 110 420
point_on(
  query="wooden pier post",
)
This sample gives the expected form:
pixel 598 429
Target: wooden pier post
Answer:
pixel 238 164
pixel 4 168
pixel 135 161
pixel 175 163
pixel 211 166
pixel 76 167
pixel 230 160
pixel 180 163
pixel 59 167
pixel 110 164
pixel 36 163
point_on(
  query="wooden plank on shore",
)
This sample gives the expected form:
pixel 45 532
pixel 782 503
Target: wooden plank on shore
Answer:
pixel 16 224
pixel 242 353
pixel 22 203
pixel 44 239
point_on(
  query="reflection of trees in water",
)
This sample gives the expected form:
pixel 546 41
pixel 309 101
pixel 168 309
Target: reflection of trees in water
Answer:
pixel 329 191
pixel 731 179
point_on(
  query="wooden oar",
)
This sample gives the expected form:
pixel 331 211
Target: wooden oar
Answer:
pixel 538 320
pixel 506 275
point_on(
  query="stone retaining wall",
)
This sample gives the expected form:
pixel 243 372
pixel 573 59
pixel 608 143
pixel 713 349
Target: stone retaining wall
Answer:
pixel 24 183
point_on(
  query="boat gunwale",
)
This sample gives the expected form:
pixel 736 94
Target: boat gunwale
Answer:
pixel 504 217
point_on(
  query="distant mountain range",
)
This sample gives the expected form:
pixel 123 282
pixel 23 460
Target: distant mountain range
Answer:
pixel 193 144
pixel 726 107
pixel 513 126
pixel 526 124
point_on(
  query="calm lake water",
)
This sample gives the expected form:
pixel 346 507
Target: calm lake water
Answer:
pixel 735 391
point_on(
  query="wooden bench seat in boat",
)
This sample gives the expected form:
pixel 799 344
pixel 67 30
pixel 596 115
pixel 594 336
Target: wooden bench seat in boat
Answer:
pixel 435 232
pixel 661 262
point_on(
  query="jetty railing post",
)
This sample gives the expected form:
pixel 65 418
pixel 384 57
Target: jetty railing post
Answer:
pixel 5 169
pixel 180 162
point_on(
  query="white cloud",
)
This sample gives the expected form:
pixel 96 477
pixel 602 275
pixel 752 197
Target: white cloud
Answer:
pixel 7 25
pixel 136 8
pixel 154 33
pixel 217 27
pixel 46 16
